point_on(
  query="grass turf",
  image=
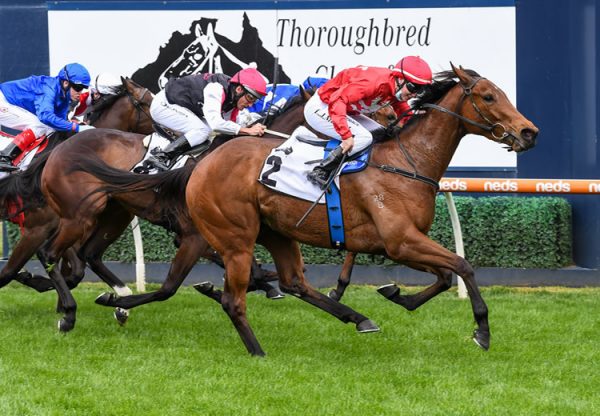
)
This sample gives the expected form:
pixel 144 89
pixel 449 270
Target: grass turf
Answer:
pixel 183 357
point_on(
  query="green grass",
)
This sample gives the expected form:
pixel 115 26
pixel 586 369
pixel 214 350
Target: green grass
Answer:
pixel 183 357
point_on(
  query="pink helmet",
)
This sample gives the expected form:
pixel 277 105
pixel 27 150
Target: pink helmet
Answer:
pixel 252 81
pixel 414 69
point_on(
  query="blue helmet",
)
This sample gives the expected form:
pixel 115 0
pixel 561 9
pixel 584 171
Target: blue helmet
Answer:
pixel 314 82
pixel 75 74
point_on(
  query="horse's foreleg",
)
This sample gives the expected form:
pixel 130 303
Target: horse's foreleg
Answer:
pixel 344 277
pixel 69 232
pixel 190 249
pixel 419 251
pixel 288 260
pixel 233 300
pixel 412 302
pixel 30 242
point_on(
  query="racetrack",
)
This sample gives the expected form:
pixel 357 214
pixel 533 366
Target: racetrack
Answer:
pixel 183 357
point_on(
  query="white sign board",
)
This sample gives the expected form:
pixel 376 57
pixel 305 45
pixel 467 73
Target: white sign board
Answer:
pixel 153 45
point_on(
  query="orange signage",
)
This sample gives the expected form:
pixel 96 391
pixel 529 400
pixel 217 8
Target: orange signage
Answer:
pixel 538 186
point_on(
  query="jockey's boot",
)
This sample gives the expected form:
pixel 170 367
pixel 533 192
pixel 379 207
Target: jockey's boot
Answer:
pixel 14 149
pixel 166 156
pixel 321 173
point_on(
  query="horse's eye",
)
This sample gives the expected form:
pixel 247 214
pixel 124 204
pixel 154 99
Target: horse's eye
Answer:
pixel 488 98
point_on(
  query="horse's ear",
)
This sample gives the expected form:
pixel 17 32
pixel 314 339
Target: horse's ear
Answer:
pixel 305 94
pixel 123 79
pixel 462 75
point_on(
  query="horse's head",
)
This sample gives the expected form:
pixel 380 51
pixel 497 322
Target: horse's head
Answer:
pixel 492 114
pixel 141 96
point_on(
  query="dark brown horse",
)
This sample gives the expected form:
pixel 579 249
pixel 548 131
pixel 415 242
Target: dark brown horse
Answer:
pixel 93 213
pixel 236 211
pixel 127 111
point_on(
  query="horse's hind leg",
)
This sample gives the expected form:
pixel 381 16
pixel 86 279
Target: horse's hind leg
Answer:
pixel 288 259
pixel 344 277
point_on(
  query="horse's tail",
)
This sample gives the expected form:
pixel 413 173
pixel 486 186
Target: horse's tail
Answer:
pixel 22 190
pixel 168 186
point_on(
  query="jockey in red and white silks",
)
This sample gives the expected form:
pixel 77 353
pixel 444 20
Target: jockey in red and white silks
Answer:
pixel 197 105
pixel 339 107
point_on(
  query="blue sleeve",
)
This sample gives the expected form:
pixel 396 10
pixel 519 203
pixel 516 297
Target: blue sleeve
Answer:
pixel 44 105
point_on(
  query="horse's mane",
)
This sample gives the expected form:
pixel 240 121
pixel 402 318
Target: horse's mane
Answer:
pixel 442 83
pixel 107 101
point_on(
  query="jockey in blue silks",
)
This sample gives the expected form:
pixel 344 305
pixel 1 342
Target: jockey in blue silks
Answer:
pixel 38 105
pixel 273 102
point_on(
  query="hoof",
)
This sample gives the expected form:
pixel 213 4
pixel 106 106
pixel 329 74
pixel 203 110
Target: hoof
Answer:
pixel 204 287
pixel 482 339
pixel 106 299
pixel 274 294
pixel 367 326
pixel 65 325
pixel 121 315
pixel 389 291
pixel 333 295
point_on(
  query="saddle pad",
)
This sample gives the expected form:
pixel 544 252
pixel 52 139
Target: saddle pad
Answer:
pixel 151 142
pixel 285 169
pixel 26 159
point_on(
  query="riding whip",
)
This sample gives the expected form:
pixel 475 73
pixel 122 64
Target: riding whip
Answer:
pixel 327 185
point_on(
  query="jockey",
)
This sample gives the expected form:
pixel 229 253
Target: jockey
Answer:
pixel 338 108
pixel 197 105
pixel 38 105
pixel 105 84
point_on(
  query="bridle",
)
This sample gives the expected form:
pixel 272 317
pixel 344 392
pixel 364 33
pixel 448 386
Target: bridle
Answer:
pixel 140 106
pixel 491 127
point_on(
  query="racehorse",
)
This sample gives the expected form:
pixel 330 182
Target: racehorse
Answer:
pixel 89 214
pixel 128 111
pixel 233 211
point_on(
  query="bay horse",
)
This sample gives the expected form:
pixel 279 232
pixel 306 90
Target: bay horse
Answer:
pixel 93 213
pixel 235 211
pixel 127 111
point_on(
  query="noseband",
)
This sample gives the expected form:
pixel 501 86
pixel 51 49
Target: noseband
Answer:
pixel 491 127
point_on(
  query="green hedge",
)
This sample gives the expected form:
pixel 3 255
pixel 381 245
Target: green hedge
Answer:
pixel 527 232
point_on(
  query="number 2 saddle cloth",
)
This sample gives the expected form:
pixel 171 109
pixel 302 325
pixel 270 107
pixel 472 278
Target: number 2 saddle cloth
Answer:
pixel 286 167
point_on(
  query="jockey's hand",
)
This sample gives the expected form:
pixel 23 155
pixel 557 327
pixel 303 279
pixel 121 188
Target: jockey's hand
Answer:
pixel 347 144
pixel 255 130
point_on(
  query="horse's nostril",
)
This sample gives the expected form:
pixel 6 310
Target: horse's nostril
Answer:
pixel 528 134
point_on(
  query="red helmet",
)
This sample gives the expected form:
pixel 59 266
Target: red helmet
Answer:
pixel 252 81
pixel 414 69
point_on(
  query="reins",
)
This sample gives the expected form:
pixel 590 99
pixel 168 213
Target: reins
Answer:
pixel 139 106
pixel 490 127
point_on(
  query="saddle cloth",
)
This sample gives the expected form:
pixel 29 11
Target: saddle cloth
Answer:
pixel 151 142
pixel 286 167
pixel 5 140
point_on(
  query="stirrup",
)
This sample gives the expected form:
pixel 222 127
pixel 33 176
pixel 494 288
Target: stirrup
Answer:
pixel 319 177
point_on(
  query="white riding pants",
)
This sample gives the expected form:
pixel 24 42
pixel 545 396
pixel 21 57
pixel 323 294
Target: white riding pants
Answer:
pixel 18 118
pixel 178 118
pixel 316 113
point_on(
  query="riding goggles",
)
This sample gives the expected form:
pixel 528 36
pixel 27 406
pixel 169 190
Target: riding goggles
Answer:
pixel 414 88
pixel 77 87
